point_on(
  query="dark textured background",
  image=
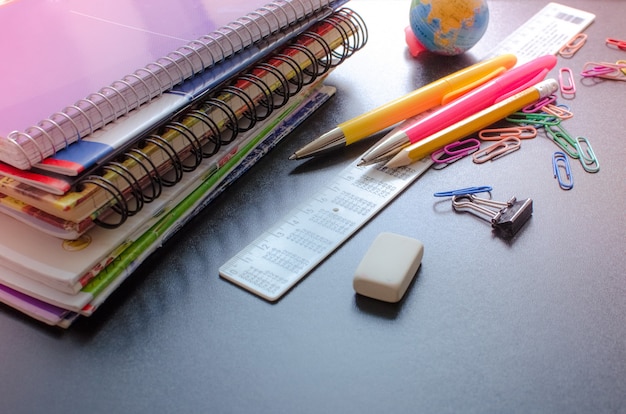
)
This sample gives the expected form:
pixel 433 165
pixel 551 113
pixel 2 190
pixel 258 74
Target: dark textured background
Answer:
pixel 535 324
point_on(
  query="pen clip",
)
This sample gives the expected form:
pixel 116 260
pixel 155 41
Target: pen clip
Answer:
pixel 532 81
pixel 466 88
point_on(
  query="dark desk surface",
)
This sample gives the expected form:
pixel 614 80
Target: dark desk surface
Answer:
pixel 488 326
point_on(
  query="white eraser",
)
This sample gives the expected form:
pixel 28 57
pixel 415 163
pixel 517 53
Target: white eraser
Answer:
pixel 388 267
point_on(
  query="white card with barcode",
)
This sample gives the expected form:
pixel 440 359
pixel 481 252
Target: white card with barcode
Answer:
pixel 285 253
pixel 545 33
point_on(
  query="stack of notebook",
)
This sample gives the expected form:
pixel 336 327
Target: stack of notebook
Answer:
pixel 93 178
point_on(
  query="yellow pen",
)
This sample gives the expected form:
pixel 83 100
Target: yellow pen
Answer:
pixel 471 124
pixel 420 100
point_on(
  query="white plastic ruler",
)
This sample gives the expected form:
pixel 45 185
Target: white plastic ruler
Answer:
pixel 285 253
pixel 289 250
pixel 545 33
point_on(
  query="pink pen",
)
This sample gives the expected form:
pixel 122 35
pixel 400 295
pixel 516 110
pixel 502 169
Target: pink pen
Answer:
pixel 505 85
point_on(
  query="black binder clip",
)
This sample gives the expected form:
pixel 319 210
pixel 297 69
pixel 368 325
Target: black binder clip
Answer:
pixel 506 217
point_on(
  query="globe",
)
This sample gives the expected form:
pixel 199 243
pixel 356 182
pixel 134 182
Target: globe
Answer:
pixel 447 27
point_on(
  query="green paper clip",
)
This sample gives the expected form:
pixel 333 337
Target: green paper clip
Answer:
pixel 538 120
pixel 587 157
pixel 563 139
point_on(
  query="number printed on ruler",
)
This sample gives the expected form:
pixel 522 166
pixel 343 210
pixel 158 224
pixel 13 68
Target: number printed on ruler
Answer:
pixel 281 256
pixel 545 33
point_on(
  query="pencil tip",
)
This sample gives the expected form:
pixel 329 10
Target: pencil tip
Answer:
pixel 293 156
pixel 391 164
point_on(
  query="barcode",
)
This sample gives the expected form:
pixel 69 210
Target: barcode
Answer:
pixel 569 18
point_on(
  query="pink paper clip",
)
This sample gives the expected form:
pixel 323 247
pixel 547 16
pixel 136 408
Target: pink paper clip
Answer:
pixel 499 149
pixel 620 44
pixel 573 45
pixel 536 107
pixel 560 111
pixel 605 70
pixel 454 151
pixel 496 134
pixel 566 81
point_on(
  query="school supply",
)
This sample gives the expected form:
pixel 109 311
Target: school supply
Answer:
pixel 93 44
pixel 427 97
pixel 473 123
pixel 562 170
pixel 274 262
pixel 196 133
pixel 56 306
pixel 496 90
pixel 545 33
pixel 506 218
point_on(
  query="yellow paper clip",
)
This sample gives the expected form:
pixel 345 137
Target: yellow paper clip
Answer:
pixel 587 157
pixel 573 45
pixel 499 149
pixel 623 64
pixel 496 134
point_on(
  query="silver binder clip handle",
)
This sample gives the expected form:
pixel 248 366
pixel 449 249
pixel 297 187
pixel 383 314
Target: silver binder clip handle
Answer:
pixel 505 217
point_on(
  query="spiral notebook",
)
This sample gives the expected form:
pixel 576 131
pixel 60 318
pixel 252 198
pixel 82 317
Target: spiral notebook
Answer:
pixel 68 265
pixel 214 119
pixel 92 46
pixel 57 308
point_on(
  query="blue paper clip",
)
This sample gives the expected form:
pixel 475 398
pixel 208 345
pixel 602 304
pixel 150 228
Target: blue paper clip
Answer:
pixel 587 157
pixel 464 191
pixel 560 164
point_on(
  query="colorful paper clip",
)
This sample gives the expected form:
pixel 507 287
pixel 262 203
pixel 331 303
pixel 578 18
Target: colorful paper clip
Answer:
pixel 496 134
pixel 587 157
pixel 560 166
pixel 605 70
pixel 537 106
pixel 499 149
pixel 464 191
pixel 560 111
pixel 454 152
pixel 566 81
pixel 573 45
pixel 537 120
pixel 563 139
pixel 620 44
pixel 506 217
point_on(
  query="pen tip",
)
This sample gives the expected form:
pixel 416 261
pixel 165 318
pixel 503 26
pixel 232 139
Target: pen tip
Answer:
pixel 293 156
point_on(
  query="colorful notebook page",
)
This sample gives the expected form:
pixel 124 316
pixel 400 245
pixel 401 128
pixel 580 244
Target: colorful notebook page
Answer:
pixel 89 44
pixel 89 200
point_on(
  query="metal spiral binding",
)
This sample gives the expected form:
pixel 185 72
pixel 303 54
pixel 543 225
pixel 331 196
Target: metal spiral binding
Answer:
pixel 135 179
pixel 122 96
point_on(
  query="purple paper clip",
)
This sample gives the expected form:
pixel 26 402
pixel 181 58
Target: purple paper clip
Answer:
pixel 454 152
pixel 604 70
pixel 537 106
